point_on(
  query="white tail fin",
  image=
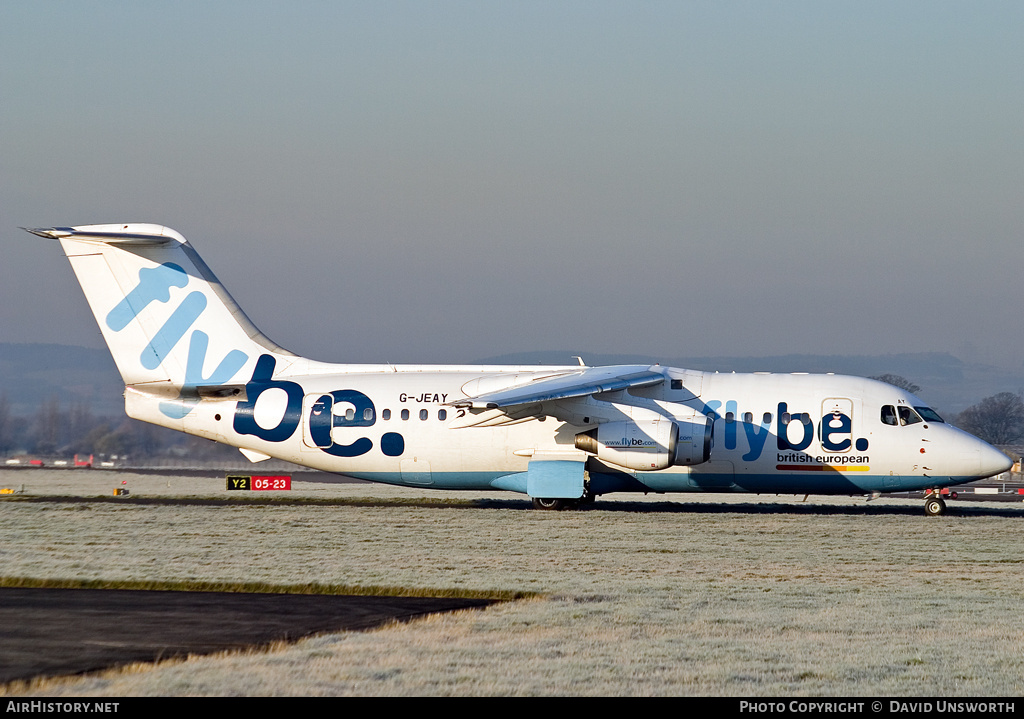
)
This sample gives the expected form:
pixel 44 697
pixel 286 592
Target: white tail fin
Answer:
pixel 172 328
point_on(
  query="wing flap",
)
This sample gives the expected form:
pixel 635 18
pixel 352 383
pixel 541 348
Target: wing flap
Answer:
pixel 588 381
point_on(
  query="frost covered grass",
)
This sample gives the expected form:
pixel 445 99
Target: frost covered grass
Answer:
pixel 641 596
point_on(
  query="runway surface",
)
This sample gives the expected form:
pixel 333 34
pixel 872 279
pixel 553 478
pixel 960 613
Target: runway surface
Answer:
pixel 48 632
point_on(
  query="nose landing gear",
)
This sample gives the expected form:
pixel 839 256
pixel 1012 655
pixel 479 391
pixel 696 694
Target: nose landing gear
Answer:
pixel 933 504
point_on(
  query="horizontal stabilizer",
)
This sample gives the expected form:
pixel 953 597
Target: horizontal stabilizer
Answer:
pixel 133 234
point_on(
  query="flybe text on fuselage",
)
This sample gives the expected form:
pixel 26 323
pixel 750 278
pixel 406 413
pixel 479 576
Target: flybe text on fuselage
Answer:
pixel 322 418
pixel 794 432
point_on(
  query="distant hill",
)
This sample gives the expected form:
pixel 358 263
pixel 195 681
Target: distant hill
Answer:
pixel 32 372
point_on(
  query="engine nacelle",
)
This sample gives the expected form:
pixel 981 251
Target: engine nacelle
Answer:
pixel 649 444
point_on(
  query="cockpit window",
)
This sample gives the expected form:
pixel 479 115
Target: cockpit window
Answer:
pixel 929 414
pixel 904 415
pixel 889 415
pixel 908 415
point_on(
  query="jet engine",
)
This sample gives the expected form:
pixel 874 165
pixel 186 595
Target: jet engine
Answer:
pixel 650 444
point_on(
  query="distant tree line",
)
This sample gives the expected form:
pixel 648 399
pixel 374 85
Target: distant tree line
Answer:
pixel 998 419
pixel 55 430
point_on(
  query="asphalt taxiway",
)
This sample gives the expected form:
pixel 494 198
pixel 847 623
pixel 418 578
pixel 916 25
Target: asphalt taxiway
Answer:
pixel 48 632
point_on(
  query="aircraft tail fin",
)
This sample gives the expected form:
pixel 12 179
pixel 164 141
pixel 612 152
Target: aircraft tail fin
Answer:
pixel 172 328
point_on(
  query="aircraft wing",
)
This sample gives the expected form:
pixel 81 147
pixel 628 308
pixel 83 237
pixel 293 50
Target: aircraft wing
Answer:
pixel 587 381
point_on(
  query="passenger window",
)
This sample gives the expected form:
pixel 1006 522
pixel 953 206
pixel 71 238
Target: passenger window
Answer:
pixel 767 419
pixel 423 414
pixel 889 415
pixel 405 414
pixel 442 414
pixel 385 415
pixel 729 418
pixel 368 414
pixel 350 414
pixel 748 417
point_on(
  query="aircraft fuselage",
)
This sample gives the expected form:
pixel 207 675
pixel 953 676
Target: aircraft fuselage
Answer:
pixel 799 433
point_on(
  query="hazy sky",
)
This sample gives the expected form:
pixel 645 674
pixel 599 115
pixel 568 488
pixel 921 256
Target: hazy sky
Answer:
pixel 445 181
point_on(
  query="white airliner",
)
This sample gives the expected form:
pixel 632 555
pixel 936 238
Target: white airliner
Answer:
pixel 192 361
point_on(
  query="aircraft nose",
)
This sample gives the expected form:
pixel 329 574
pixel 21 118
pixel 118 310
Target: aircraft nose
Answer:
pixel 970 457
pixel 992 460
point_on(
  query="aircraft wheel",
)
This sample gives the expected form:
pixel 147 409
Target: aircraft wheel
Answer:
pixel 551 504
pixel 934 506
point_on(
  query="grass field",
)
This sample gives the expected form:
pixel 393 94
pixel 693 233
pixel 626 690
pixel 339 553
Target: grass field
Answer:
pixel 677 595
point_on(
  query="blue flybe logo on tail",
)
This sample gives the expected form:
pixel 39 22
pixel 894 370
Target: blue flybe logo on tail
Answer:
pixel 155 286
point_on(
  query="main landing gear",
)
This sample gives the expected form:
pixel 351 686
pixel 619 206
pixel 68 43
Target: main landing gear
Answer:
pixel 558 504
pixel 553 504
